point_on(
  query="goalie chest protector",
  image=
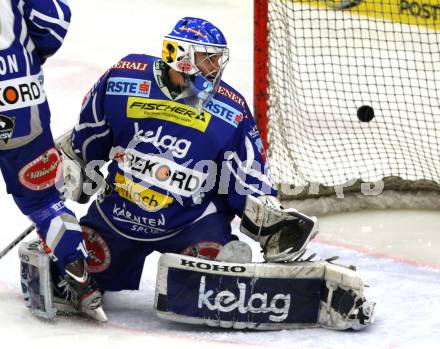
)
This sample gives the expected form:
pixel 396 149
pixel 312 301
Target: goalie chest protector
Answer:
pixel 251 295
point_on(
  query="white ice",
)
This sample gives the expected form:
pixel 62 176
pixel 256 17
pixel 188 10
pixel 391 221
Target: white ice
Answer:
pixel 395 251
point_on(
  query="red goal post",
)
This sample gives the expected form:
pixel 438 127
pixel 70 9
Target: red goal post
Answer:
pixel 261 68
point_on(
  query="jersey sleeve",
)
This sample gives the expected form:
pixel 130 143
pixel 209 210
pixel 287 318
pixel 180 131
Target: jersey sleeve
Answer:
pixel 244 170
pixel 92 136
pixel 47 22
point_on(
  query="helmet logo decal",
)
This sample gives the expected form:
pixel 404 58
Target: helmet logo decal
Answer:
pixel 185 67
pixel 169 51
pixel 191 30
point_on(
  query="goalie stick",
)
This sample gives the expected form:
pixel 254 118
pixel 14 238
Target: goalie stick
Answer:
pixel 16 241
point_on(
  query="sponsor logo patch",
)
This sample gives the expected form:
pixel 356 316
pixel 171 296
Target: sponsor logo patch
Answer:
pixel 203 266
pixel 239 298
pixel 231 95
pixel 130 65
pixel 184 66
pixel 194 31
pixel 139 223
pixel 98 250
pixel 6 128
pixel 244 301
pixel 22 92
pixel 225 112
pixel 128 87
pixel 143 108
pixel 261 150
pixel 41 173
pixel 147 199
pixel 169 51
pixel 162 173
pixel 177 146
pixel 254 133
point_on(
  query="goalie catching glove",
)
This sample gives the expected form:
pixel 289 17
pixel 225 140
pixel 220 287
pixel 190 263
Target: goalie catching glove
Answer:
pixel 283 233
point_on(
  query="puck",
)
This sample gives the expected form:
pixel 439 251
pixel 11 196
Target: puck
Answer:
pixel 365 113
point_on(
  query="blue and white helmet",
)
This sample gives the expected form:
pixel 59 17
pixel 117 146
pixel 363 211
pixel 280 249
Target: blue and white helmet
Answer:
pixel 192 36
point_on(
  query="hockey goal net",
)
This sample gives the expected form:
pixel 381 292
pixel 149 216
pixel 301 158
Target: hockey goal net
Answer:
pixel 347 95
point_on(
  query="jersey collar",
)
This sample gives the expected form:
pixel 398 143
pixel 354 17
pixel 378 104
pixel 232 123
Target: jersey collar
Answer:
pixel 160 70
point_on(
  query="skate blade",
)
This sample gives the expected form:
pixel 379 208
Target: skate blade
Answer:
pixel 97 314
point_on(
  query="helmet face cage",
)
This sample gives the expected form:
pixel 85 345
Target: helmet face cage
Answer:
pixel 209 61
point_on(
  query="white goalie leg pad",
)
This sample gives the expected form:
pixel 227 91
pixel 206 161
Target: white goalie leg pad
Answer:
pixel 343 304
pixel 264 296
pixel 235 251
pixel 36 279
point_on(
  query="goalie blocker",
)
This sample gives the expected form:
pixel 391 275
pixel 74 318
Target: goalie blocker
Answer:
pixel 263 296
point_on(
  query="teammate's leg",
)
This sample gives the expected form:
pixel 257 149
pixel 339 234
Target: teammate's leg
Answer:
pixel 30 172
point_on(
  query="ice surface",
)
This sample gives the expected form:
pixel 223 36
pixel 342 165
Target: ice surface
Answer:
pixel 407 296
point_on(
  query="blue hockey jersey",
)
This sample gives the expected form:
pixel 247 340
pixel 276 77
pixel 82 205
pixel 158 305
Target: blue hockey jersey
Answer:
pixel 171 163
pixel 30 31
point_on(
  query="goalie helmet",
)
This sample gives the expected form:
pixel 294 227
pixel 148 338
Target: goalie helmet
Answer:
pixel 197 49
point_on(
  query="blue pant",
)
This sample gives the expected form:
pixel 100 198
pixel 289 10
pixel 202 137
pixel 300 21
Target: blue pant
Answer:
pixel 117 262
pixel 30 173
pixel 29 193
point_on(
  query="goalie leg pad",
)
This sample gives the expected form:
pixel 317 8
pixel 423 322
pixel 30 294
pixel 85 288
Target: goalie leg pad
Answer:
pixel 264 296
pixel 343 304
pixel 235 251
pixel 36 279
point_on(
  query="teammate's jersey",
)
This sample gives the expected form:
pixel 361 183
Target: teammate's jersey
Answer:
pixel 30 31
pixel 171 163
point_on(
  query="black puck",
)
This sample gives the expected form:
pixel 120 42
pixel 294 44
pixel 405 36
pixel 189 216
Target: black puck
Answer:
pixel 365 113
